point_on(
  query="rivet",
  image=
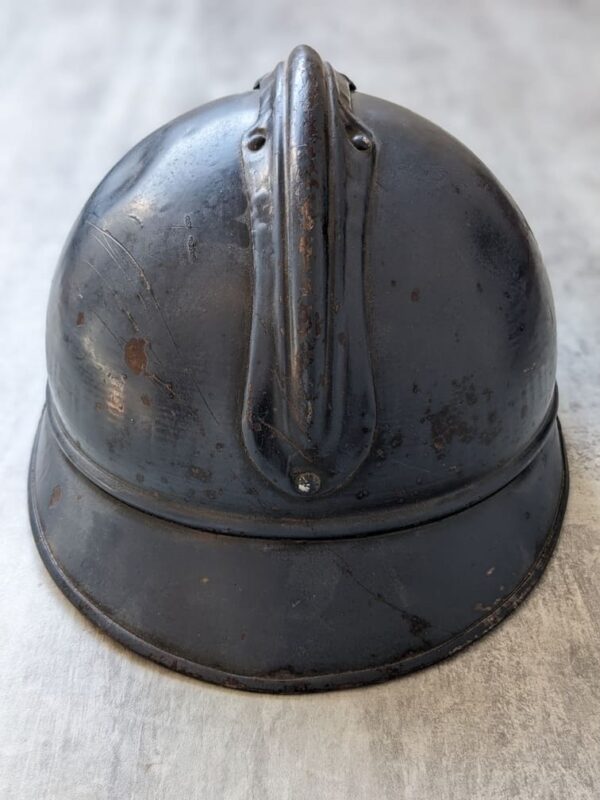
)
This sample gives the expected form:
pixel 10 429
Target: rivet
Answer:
pixel 361 142
pixel 307 483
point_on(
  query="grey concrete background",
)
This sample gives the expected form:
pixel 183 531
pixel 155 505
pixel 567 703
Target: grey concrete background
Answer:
pixel 516 716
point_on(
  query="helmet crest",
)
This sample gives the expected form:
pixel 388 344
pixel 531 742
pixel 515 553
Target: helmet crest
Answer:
pixel 309 409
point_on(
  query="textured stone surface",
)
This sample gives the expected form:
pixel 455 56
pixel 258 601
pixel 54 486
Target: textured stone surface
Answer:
pixel 516 716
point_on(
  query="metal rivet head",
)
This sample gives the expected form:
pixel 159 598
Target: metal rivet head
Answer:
pixel 307 483
pixel 256 141
pixel 361 142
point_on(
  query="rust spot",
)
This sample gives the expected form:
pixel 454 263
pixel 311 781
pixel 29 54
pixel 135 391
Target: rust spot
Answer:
pixel 146 400
pixel 308 223
pixel 192 246
pixel 446 424
pixel 305 319
pixel 135 355
pixel 417 625
pixel 396 440
pixel 304 247
pixel 55 497
pixel 415 295
pixel 455 421
pixel 200 474
pixel 318 326
pixel 80 318
pixel 168 387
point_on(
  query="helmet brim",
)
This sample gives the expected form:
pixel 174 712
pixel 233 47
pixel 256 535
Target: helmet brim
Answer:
pixel 294 615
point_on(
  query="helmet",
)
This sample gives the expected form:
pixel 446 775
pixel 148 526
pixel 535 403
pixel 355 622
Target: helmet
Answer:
pixel 300 429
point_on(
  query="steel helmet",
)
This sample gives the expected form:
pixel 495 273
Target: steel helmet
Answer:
pixel 300 429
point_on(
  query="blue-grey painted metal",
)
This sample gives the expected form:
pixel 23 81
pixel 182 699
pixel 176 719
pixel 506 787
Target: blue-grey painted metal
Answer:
pixel 300 429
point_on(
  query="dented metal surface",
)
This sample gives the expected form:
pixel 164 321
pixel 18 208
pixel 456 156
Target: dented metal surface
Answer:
pixel 301 418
